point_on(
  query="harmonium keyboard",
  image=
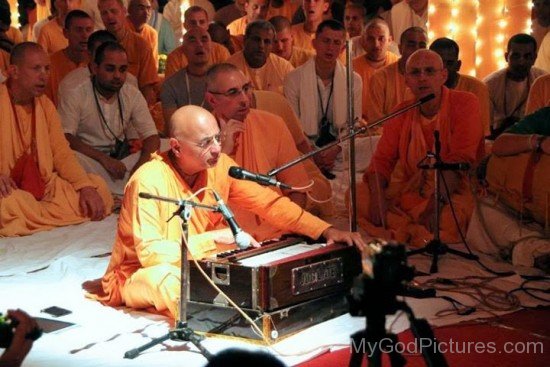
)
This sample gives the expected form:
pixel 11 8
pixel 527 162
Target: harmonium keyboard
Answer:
pixel 291 283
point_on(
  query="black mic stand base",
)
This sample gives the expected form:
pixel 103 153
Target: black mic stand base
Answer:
pixel 436 248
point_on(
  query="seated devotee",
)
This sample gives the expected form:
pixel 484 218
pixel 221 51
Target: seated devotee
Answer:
pixel 284 43
pixel 395 199
pixel 387 85
pixel 144 269
pixel 265 70
pixel 448 50
pixel 321 191
pixel 255 10
pixel 102 114
pixel 166 38
pixel 139 12
pixel 90 7
pixel 20 345
pixel 195 16
pixel 376 41
pixel 42 186
pixel 539 95
pixel 541 10
pixel 141 62
pixel 530 134
pixel 283 8
pixel 258 141
pixel 509 87
pixel 83 73
pixel 354 18
pixel 318 94
pixel 188 85
pixel 406 14
pixel 229 13
pixel 9 35
pixel 174 9
pixel 51 36
pixel 315 12
pixel 78 28
pixel 220 34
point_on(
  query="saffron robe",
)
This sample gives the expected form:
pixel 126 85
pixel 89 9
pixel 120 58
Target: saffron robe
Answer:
pixel 473 85
pixel 150 35
pixel 144 269
pixel 539 95
pixel 60 66
pixel 270 76
pixel 177 60
pixel 20 213
pixel 404 143
pixel 51 37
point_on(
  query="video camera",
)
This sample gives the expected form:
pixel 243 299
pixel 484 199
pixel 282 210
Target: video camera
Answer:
pixel 7 326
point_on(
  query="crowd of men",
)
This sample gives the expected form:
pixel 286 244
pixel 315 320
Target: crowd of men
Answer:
pixel 88 122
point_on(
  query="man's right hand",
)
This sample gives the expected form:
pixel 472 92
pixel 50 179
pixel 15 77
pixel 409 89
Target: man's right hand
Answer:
pixel 7 185
pixel 229 135
pixel 114 167
pixel 21 345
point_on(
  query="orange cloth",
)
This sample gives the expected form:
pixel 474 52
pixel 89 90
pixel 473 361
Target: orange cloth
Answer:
pixel 287 10
pixel 238 26
pixel 321 190
pixel 4 62
pixel 177 60
pixel 387 89
pixel 150 35
pixel 268 77
pixel 302 38
pixel 141 62
pixel 539 95
pixel 51 37
pixel 473 85
pixel 14 35
pixel 362 67
pixel 299 56
pixel 403 144
pixel 60 66
pixel 144 266
pixel 265 144
pixel 20 213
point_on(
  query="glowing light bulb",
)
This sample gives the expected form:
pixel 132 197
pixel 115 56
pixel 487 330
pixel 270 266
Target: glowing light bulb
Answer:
pixel 499 38
pixel 431 9
pixel 502 23
pixel 479 60
pixel 431 35
pixel 454 12
pixel 498 53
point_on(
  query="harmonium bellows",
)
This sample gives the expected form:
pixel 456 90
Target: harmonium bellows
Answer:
pixel 288 277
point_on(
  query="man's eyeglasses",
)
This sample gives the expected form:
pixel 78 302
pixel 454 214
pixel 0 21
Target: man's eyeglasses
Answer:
pixel 234 92
pixel 416 73
pixel 208 142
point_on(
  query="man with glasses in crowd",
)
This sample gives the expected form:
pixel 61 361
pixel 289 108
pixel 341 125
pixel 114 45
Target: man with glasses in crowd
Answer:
pixel 402 207
pixel 144 270
pixel 257 140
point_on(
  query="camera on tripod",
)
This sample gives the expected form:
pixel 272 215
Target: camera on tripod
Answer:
pixel 7 326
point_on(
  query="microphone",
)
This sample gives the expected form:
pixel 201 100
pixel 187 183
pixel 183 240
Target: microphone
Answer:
pixel 180 202
pixel 242 239
pixel 242 174
pixel 427 98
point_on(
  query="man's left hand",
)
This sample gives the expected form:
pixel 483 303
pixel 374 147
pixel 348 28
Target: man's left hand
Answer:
pixel 91 203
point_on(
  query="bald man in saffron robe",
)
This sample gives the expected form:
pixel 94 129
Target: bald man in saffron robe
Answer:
pixel 51 190
pixel 396 199
pixel 144 270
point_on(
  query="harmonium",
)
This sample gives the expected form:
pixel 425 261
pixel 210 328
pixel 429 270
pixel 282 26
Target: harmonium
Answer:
pixel 284 286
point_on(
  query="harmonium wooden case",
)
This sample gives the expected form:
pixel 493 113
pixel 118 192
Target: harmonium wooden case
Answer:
pixel 284 286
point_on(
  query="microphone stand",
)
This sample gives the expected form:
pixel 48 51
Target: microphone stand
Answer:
pixel 352 134
pixel 181 331
pixel 351 159
pixel 436 247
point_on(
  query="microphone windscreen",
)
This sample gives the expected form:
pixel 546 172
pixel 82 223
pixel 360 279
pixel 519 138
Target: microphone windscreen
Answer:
pixel 235 172
pixel 144 195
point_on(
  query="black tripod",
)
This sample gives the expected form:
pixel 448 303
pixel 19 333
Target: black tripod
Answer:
pixel 436 247
pixel 180 332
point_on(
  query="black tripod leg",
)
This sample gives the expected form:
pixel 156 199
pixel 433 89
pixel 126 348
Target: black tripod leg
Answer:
pixel 396 359
pixel 357 349
pixel 435 258
pixel 131 354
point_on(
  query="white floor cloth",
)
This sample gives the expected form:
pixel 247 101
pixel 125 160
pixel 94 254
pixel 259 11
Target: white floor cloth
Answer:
pixel 49 268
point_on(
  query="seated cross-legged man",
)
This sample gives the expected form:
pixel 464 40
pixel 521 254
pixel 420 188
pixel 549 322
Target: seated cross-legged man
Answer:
pixel 144 270
pixel 102 115
pixel 42 186
pixel 396 198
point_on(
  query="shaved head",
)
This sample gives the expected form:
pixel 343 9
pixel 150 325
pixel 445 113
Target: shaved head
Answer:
pixel 21 51
pixel 425 74
pixel 187 120
pixel 378 23
pixel 424 56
